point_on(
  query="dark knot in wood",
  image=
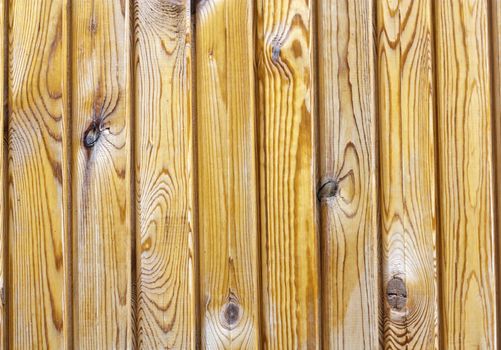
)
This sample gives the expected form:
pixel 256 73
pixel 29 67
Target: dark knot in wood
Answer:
pixel 231 313
pixel 328 189
pixel 92 133
pixel 396 293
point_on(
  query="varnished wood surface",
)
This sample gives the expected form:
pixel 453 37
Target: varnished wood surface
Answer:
pixel 3 177
pixel 38 178
pixel 166 273
pixel 407 174
pixel 286 119
pixel 468 285
pixel 347 159
pixel 101 174
pixel 227 175
pixel 269 174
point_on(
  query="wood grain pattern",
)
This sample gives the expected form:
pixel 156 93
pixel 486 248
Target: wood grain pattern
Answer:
pixel 495 10
pixel 348 153
pixel 166 280
pixel 407 174
pixel 101 174
pixel 227 175
pixel 3 176
pixel 39 269
pixel 289 236
pixel 465 152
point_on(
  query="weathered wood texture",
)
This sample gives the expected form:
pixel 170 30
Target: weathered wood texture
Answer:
pixel 38 181
pixel 227 176
pixel 101 174
pixel 347 164
pixel 407 174
pixel 286 116
pixel 468 282
pixel 166 280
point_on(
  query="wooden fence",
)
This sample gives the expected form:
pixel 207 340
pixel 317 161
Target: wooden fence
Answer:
pixel 276 174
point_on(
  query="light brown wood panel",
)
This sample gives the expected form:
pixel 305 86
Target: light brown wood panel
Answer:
pixel 347 161
pixel 495 9
pixel 407 175
pixel 38 221
pixel 101 174
pixel 166 280
pixel 3 176
pixel 289 234
pixel 468 285
pixel 227 175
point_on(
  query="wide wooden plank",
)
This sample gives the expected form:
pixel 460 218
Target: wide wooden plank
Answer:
pixel 38 221
pixel 407 175
pixel 227 175
pixel 289 236
pixel 467 263
pixel 3 176
pixel 102 193
pixel 347 161
pixel 166 280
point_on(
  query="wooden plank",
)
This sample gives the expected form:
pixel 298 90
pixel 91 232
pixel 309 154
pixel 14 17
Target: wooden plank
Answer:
pixel 227 175
pixel 496 93
pixel 465 153
pixel 407 170
pixel 290 247
pixel 102 223
pixel 3 176
pixel 38 222
pixel 166 310
pixel 348 153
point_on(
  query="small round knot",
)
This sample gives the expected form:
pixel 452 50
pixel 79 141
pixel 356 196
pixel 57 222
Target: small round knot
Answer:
pixel 328 189
pixel 231 313
pixel 396 293
pixel 91 135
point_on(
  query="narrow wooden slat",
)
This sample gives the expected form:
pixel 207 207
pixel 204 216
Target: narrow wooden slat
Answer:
pixel 347 160
pixel 290 249
pixel 407 170
pixel 39 268
pixel 3 177
pixel 496 93
pixel 164 176
pixel 227 175
pixel 464 141
pixel 101 144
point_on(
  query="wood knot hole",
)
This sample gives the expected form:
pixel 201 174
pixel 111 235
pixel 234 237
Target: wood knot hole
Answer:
pixel 396 293
pixel 231 313
pixel 92 134
pixel 329 188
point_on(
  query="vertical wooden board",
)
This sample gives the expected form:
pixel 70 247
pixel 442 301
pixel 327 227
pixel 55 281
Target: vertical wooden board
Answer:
pixel 39 269
pixel 407 175
pixel 102 223
pixel 468 296
pixel 289 237
pixel 3 177
pixel 164 176
pixel 347 161
pixel 227 176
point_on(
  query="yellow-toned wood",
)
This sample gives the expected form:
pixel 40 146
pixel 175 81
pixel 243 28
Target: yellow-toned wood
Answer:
pixel 468 285
pixel 407 175
pixel 101 174
pixel 347 161
pixel 496 94
pixel 227 176
pixel 39 268
pixel 166 295
pixel 289 242
pixel 3 178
